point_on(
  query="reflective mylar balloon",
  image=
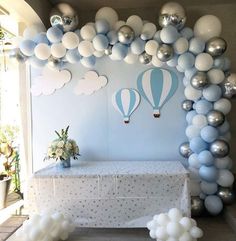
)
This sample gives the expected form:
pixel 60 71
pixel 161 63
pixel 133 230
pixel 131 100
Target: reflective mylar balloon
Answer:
pixel 54 63
pixel 145 58
pixel 185 150
pixel 165 52
pixel 219 148
pixel 199 80
pixel 18 55
pixel 197 206
pixel 187 105
pixel 216 46
pixel 125 34
pixel 108 51
pixel 229 86
pixel 215 118
pixel 227 195
pixel 172 13
pixel 65 16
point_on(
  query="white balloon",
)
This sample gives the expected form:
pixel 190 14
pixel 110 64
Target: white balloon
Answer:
pixel 88 32
pixel 192 131
pixel 185 237
pixel 200 121
pixel 148 31
pixel 161 233
pixel 192 93
pixel 215 76
pixel 174 229
pixel 207 26
pixel 119 24
pixel 151 47
pixel 136 23
pixel 86 48
pixel 151 225
pixel 163 219
pixel 193 161
pixel 223 105
pixel 223 163
pixel 152 234
pixel 70 40
pixel 225 178
pixel 58 50
pixel 98 54
pixel 156 62
pixel 108 14
pixel 175 214
pixel 186 223
pixel 203 62
pixel 196 232
pixel 42 51
pixel 131 58
pixel 181 45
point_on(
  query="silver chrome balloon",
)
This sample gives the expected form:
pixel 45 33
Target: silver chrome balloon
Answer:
pixel 185 150
pixel 197 206
pixel 165 52
pixel 229 86
pixel 199 81
pixel 108 51
pixel 215 118
pixel 219 148
pixel 187 105
pixel 54 63
pixel 145 58
pixel 64 16
pixel 172 13
pixel 227 195
pixel 125 34
pixel 216 46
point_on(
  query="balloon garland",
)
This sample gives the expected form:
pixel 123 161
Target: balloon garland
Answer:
pixel 197 53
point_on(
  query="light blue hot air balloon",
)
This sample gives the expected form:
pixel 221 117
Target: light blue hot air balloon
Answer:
pixel 157 86
pixel 126 101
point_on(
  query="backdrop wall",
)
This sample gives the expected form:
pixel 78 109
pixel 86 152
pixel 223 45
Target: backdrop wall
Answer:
pixel 98 127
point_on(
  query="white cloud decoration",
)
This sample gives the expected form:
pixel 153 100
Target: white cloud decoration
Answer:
pixel 90 83
pixel 49 81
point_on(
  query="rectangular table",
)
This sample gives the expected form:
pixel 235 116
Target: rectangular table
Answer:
pixel 110 194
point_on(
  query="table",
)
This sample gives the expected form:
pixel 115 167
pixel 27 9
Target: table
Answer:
pixel 110 194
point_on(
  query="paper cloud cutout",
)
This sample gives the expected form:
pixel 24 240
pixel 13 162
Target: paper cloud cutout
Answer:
pixel 49 81
pixel 90 83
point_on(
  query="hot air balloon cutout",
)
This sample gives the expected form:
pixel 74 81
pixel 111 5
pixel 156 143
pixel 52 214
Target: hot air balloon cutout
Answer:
pixel 157 86
pixel 126 102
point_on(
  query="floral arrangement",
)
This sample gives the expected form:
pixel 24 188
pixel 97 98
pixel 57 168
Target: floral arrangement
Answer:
pixel 63 148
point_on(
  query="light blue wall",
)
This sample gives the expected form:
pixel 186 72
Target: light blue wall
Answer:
pixel 98 127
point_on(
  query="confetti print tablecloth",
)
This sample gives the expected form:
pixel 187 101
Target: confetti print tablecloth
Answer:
pixel 110 194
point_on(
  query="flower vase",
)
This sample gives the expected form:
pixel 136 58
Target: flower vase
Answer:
pixel 65 163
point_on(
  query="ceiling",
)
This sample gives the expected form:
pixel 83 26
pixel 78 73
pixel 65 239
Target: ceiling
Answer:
pixel 86 5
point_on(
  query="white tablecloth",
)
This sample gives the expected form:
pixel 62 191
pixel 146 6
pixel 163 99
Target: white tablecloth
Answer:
pixel 110 194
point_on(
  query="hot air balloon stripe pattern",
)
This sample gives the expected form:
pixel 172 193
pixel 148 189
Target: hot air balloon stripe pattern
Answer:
pixel 126 101
pixel 157 86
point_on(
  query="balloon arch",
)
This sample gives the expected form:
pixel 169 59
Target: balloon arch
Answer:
pixel 197 53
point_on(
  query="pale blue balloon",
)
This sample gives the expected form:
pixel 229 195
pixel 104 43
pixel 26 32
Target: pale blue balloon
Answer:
pixel 209 188
pixel 100 42
pixel 212 93
pixel 186 61
pixel 180 69
pixel 37 63
pixel 213 204
pixel 186 81
pixel 224 128
pixel 73 56
pixel 169 34
pixel 190 115
pixel 41 38
pixel 189 73
pixel 187 33
pixel 227 64
pixel 138 46
pixel 197 144
pixel 209 134
pixel 173 62
pixel 157 36
pixel 196 46
pixel 222 63
pixel 54 34
pixel 27 47
pixel 205 158
pixel 203 107
pixel 102 26
pixel 112 37
pixel 119 51
pixel 88 62
pixel 208 173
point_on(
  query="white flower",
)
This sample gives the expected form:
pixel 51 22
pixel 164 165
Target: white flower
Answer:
pixel 68 146
pixel 59 152
pixel 60 144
